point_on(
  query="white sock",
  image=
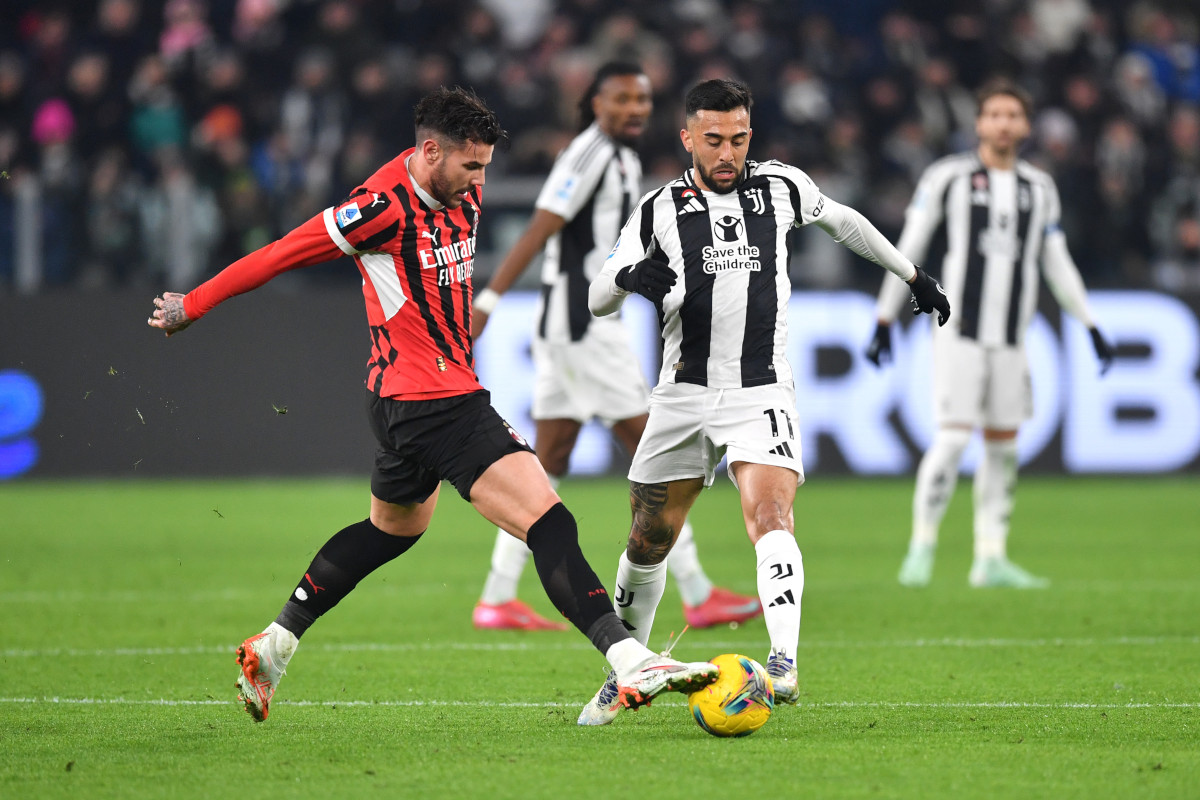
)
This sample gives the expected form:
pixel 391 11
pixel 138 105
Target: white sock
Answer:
pixel 626 654
pixel 284 643
pixel 780 587
pixel 937 478
pixel 684 564
pixel 638 592
pixel 508 562
pixel 995 481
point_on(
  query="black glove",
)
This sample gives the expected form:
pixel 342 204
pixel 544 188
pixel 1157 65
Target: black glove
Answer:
pixel 879 351
pixel 929 296
pixel 1104 351
pixel 650 278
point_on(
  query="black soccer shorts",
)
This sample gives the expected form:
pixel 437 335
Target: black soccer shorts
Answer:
pixel 422 442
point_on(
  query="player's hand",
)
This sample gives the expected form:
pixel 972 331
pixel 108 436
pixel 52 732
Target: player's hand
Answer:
pixel 169 314
pixel 650 278
pixel 1104 350
pixel 929 296
pixel 879 351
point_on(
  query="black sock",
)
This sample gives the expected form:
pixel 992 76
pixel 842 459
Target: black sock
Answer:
pixel 351 555
pixel 569 580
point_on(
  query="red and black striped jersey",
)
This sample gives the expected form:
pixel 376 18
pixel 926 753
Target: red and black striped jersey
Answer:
pixel 416 258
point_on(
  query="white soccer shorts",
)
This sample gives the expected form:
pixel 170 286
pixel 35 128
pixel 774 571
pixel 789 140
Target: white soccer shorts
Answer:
pixel 692 427
pixel 979 386
pixel 596 377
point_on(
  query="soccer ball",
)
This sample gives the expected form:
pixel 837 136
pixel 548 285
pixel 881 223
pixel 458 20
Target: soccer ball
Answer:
pixel 739 702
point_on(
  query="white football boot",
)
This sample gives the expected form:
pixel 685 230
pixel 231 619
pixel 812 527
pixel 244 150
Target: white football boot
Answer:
pixel 602 709
pixel 917 568
pixel 784 679
pixel 658 674
pixel 994 573
pixel 263 659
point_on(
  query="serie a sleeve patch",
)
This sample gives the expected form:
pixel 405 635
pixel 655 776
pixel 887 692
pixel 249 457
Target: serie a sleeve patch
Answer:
pixel 358 210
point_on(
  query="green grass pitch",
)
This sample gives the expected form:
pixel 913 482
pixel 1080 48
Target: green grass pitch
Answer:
pixel 121 605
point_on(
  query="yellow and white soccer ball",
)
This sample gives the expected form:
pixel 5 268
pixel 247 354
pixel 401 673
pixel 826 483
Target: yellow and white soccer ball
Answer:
pixel 739 702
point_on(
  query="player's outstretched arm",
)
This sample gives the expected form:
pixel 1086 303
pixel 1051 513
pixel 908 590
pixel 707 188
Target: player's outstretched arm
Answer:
pixel 542 225
pixel 169 315
pixel 304 246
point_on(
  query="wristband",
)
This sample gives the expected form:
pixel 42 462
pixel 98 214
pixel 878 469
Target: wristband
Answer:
pixel 486 301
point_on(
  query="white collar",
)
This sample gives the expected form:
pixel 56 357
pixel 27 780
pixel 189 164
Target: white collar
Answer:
pixel 425 196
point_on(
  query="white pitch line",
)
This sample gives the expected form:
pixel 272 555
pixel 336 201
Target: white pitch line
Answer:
pixel 546 646
pixel 882 704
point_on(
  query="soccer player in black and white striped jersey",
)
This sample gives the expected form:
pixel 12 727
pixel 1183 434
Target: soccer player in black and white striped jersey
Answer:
pixel 711 251
pixel 986 220
pixel 585 367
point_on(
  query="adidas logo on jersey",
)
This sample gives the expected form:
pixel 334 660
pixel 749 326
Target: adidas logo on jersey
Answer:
pixel 693 205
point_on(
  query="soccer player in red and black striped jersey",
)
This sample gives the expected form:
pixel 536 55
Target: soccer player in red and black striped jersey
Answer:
pixel 411 229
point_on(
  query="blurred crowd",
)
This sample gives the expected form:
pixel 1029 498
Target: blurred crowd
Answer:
pixel 166 139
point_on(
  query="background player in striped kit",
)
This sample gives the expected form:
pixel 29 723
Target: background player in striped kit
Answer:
pixel 585 366
pixel 712 251
pixel 985 220
pixel 411 229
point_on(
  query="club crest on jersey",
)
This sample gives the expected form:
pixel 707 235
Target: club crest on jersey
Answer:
pixel 757 204
pixel 513 433
pixel 347 214
pixel 728 229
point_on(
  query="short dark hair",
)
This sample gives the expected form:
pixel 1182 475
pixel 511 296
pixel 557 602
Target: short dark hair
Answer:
pixel 458 115
pixel 609 70
pixel 719 94
pixel 1004 86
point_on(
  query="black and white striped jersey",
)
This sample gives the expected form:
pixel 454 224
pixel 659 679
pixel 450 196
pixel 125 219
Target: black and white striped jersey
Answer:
pixel 593 186
pixel 724 323
pixel 983 233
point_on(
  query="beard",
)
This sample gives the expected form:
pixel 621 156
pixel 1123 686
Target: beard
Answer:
pixel 711 182
pixel 442 190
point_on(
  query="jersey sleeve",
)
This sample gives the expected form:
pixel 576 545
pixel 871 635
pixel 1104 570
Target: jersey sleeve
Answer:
pixel 1059 269
pixel 808 204
pixel 575 175
pixel 923 215
pixel 636 242
pixel 366 220
pixel 304 246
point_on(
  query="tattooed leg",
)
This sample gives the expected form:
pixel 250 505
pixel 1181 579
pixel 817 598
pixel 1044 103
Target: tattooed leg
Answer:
pixel 659 510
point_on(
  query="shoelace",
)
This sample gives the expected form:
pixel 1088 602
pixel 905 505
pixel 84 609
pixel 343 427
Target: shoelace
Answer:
pixel 778 667
pixel 673 640
pixel 608 692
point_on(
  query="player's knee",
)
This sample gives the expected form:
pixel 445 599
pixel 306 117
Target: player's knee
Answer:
pixel 555 529
pixel 650 539
pixel 773 515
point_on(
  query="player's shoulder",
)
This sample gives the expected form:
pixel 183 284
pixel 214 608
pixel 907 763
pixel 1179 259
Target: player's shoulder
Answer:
pixel 952 165
pixel 773 168
pixel 589 148
pixel 1034 174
